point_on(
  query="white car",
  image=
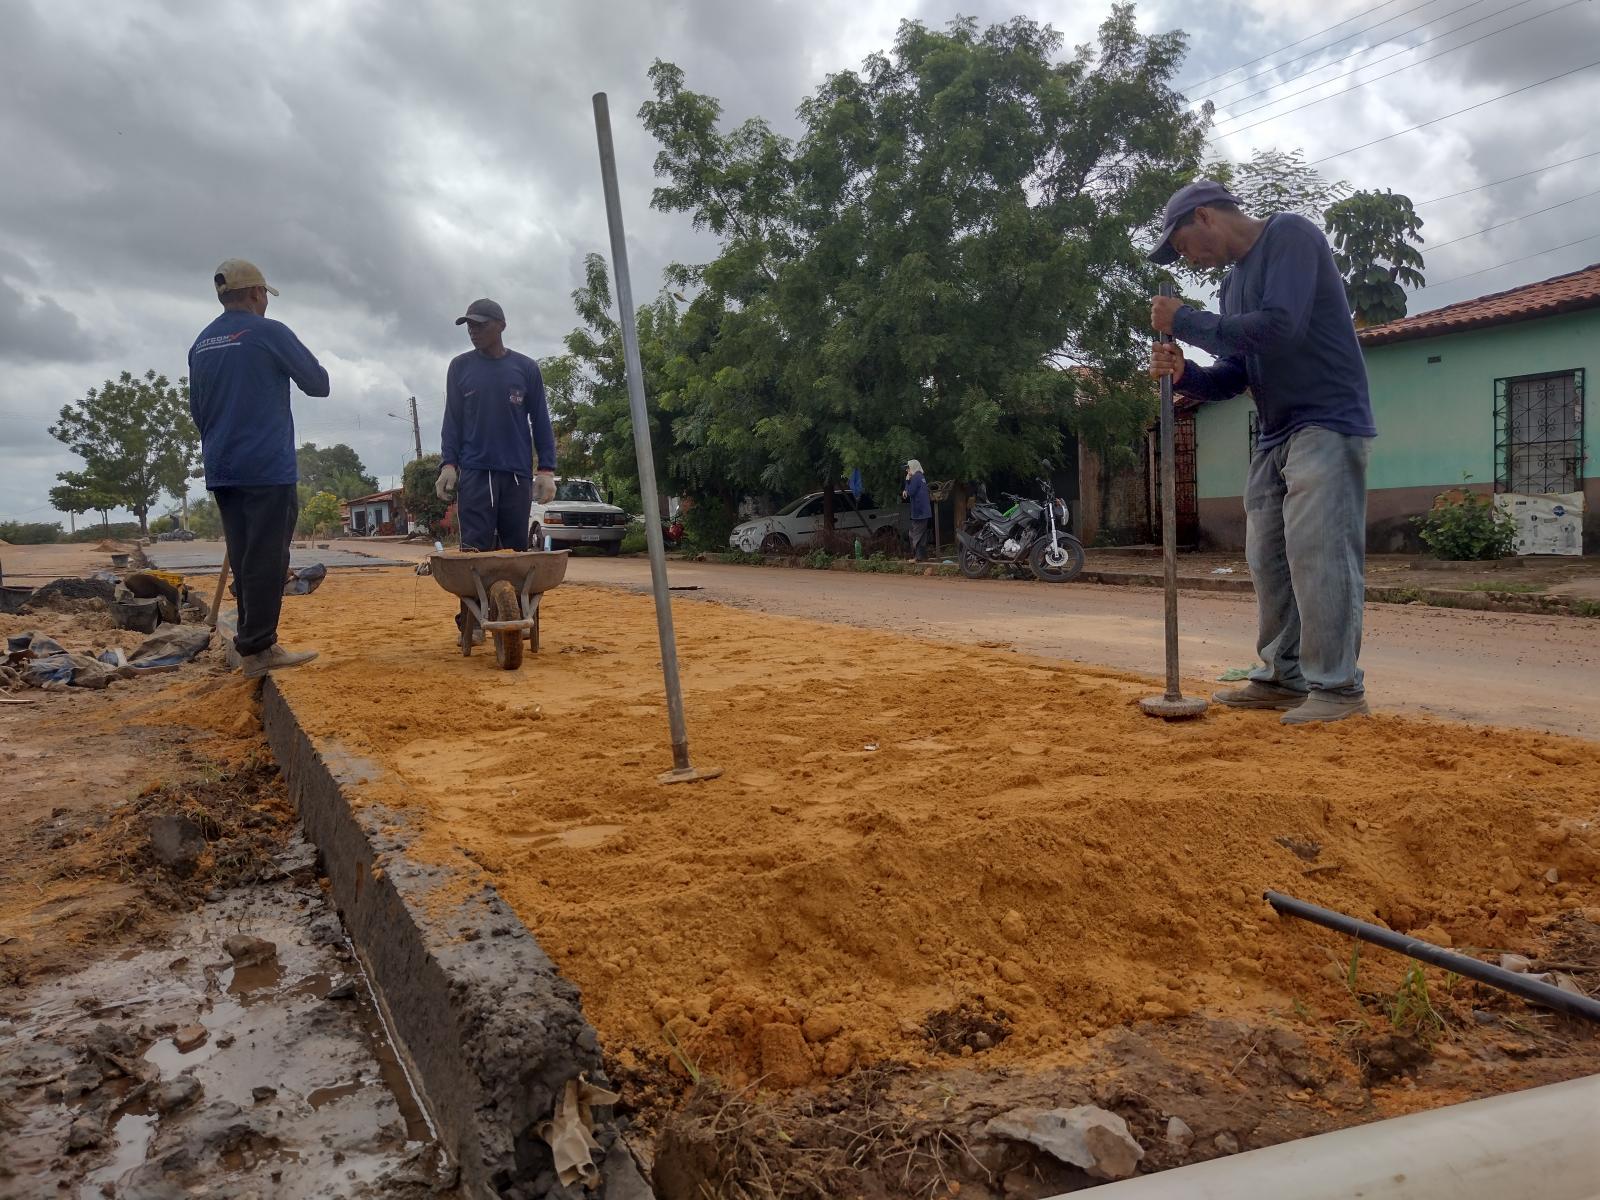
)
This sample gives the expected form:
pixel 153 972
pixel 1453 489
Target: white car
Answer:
pixel 798 525
pixel 577 517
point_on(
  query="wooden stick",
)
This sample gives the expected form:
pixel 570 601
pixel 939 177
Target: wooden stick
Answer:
pixel 216 600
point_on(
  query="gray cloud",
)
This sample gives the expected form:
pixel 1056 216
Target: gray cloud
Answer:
pixel 387 163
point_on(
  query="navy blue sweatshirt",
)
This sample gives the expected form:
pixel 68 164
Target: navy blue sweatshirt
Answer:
pixel 917 494
pixel 1285 333
pixel 239 372
pixel 495 413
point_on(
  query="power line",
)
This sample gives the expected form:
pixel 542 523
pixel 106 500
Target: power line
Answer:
pixel 1385 75
pixel 1513 220
pixel 1508 262
pixel 1379 61
pixel 1508 179
pixel 1469 108
pixel 1323 49
pixel 1292 45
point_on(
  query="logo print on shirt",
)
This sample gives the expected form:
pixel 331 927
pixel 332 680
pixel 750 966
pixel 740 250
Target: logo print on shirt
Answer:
pixel 516 395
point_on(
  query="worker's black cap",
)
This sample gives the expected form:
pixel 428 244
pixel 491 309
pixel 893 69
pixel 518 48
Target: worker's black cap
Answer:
pixel 483 310
pixel 1184 201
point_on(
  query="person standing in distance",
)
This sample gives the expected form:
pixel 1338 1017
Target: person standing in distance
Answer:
pixel 239 372
pixel 495 416
pixel 1286 334
pixel 916 491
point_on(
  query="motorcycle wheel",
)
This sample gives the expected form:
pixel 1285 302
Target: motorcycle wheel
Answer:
pixel 1057 563
pixel 973 566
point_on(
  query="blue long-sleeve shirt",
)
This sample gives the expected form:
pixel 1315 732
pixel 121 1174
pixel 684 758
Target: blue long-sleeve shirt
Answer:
pixel 495 414
pixel 239 372
pixel 917 493
pixel 1285 333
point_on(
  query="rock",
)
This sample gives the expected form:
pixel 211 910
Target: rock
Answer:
pixel 85 1134
pixel 247 951
pixel 326 931
pixel 1012 972
pixel 260 1093
pixel 1515 962
pixel 838 1058
pixel 1226 1143
pixel 176 1093
pixel 1086 1136
pixel 1552 876
pixel 1507 878
pixel 190 1037
pixel 1179 1135
pixel 1013 926
pixel 785 1061
pixel 177 843
pixel 345 989
pixel 822 1025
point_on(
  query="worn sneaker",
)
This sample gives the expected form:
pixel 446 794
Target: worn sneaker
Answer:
pixel 1260 695
pixel 274 658
pixel 1321 707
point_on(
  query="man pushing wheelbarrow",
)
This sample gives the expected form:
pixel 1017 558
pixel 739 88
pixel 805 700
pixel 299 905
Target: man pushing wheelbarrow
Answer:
pixel 495 416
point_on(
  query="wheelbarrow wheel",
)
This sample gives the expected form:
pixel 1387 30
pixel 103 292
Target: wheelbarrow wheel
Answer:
pixel 504 606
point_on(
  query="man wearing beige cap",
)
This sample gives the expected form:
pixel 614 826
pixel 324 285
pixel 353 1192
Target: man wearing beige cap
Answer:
pixel 239 372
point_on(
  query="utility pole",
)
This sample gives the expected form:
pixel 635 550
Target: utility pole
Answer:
pixel 416 426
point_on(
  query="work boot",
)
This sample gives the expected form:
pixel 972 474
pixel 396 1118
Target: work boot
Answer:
pixel 1260 695
pixel 274 658
pixel 1321 707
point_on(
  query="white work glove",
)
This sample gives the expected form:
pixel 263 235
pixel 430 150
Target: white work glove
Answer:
pixel 544 487
pixel 446 487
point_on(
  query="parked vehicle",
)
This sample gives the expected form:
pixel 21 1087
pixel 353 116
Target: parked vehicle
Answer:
pixel 1029 534
pixel 798 525
pixel 176 535
pixel 578 516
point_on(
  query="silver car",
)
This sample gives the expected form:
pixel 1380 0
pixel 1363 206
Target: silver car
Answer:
pixel 798 524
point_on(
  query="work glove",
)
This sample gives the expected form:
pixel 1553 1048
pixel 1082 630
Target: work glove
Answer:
pixel 544 487
pixel 446 487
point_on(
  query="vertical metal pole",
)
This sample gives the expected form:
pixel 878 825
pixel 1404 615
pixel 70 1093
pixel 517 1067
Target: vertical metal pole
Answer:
pixel 1169 523
pixel 416 426
pixel 641 435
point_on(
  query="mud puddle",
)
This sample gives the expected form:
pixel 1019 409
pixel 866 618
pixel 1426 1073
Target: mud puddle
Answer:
pixel 242 1056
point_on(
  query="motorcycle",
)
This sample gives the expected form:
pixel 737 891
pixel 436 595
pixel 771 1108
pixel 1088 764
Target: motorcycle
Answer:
pixel 1029 534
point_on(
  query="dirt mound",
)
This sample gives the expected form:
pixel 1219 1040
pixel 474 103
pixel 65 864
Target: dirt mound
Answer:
pixel 111 547
pixel 71 595
pixel 906 829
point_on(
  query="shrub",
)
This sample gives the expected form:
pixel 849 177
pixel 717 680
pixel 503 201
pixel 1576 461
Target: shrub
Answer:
pixel 819 560
pixel 707 524
pixel 1464 525
pixel 31 533
pixel 635 541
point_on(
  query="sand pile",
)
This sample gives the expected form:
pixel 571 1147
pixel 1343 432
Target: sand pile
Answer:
pixel 908 829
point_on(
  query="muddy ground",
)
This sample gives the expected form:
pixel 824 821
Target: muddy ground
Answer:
pixel 180 1013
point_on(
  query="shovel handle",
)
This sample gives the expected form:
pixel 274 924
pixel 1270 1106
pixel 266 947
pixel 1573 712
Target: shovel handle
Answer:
pixel 216 598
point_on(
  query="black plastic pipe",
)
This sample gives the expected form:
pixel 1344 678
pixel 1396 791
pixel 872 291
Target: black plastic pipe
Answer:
pixel 1529 989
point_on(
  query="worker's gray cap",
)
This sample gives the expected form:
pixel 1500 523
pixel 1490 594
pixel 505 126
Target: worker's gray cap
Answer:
pixel 480 311
pixel 1184 201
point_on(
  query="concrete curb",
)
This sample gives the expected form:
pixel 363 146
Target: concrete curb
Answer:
pixel 488 1029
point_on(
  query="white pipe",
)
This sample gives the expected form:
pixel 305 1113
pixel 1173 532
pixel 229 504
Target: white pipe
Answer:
pixel 1543 1142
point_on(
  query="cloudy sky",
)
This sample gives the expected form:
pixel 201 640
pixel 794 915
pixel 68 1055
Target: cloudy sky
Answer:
pixel 385 163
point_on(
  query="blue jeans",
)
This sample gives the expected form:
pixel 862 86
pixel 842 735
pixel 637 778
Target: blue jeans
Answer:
pixel 493 508
pixel 1305 537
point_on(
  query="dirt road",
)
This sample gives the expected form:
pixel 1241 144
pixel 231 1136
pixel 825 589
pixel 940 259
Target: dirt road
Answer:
pixel 1496 668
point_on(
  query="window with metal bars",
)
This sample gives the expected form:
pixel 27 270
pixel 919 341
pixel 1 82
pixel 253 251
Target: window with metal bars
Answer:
pixel 1538 433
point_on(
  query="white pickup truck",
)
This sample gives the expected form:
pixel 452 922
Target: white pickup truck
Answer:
pixel 577 517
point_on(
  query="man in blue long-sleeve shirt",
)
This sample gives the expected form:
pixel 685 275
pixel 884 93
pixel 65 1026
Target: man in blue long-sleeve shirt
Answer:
pixel 240 368
pixel 1284 333
pixel 495 416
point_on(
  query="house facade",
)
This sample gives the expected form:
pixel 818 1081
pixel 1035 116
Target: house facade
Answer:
pixel 1489 394
pixel 382 513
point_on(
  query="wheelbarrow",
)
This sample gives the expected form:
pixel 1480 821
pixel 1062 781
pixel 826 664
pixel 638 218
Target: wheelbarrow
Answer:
pixel 500 593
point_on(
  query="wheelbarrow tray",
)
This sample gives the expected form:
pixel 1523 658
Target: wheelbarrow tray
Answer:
pixel 459 574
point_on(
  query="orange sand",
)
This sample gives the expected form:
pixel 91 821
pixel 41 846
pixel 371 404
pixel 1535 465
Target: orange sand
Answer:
pixel 1019 831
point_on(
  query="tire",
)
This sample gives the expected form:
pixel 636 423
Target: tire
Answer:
pixel 775 543
pixel 504 606
pixel 1064 564
pixel 613 549
pixel 535 536
pixel 973 566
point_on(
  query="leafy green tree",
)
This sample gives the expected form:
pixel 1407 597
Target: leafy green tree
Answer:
pixel 30 533
pixel 79 494
pixel 319 514
pixel 418 481
pixel 136 439
pixel 337 469
pixel 204 519
pixel 1372 235
pixel 1275 181
pixel 915 277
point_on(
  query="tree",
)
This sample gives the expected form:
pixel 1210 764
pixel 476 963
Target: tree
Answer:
pixel 418 480
pixel 79 494
pixel 136 439
pixel 1372 235
pixel 30 533
pixel 914 278
pixel 319 514
pixel 204 519
pixel 1275 181
pixel 337 469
